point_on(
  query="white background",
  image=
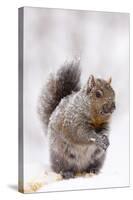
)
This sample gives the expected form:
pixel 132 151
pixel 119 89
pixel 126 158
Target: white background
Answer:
pixel 8 88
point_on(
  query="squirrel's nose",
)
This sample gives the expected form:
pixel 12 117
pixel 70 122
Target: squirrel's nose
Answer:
pixel 109 108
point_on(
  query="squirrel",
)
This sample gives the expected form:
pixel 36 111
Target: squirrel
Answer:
pixel 76 120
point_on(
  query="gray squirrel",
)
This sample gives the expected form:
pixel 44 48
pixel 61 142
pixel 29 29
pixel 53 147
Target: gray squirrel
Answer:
pixel 76 120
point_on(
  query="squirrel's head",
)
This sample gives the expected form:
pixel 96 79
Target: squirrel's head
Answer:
pixel 101 97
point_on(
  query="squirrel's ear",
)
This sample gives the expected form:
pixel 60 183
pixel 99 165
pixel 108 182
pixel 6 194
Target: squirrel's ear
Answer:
pixel 90 83
pixel 109 80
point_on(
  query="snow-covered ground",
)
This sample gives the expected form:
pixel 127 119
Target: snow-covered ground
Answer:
pixel 102 42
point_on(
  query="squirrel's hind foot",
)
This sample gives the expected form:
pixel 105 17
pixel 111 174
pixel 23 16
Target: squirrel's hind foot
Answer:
pixel 67 174
pixel 94 168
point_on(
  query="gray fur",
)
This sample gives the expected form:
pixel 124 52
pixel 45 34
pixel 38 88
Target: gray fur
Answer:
pixel 76 144
pixel 58 86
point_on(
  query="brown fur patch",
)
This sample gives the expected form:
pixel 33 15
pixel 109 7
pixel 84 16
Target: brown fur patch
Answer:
pixel 98 122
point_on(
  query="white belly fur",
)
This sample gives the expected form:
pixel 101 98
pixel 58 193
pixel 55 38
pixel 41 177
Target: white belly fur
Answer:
pixel 83 154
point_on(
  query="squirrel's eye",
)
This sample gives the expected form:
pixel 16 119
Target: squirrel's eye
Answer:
pixel 98 94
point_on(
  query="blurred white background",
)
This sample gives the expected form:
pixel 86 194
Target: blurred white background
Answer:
pixel 101 40
pixel 9 86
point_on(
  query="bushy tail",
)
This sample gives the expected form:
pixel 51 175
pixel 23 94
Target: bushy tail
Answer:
pixel 58 86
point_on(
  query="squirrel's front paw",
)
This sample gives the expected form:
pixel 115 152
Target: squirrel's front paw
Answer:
pixel 103 142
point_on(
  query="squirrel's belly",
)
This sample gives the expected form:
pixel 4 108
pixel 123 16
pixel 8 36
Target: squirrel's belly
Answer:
pixel 78 156
pixel 83 155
